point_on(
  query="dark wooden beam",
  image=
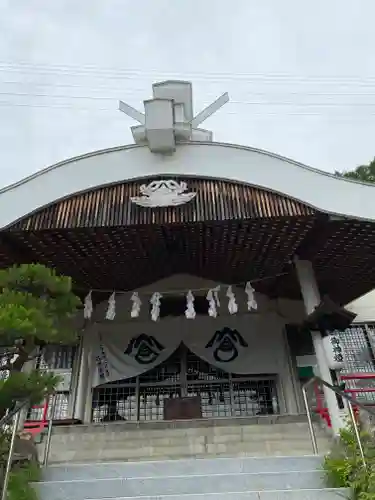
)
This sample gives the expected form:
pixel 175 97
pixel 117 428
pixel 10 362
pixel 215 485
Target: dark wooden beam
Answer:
pixel 319 233
pixel 18 253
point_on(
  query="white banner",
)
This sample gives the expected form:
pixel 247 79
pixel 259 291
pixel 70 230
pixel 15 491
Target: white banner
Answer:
pixel 124 351
pixel 243 345
pixel 249 344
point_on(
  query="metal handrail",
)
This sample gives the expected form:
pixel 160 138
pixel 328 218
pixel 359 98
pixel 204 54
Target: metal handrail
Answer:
pixel 10 414
pixel 16 412
pixel 350 401
pixel 49 431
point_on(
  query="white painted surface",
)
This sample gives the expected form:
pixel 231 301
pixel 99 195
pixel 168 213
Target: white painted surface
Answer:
pixel 83 381
pixel 364 307
pixel 235 163
pixel 308 360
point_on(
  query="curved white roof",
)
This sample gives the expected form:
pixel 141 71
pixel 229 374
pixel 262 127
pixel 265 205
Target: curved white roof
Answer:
pixel 247 165
pixel 364 307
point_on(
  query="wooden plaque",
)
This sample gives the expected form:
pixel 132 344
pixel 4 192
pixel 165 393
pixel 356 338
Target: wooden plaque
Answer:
pixel 182 408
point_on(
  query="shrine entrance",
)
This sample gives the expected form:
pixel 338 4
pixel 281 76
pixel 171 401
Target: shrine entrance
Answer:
pixel 185 387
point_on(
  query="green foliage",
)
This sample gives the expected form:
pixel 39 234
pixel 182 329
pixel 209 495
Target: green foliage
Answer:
pixel 21 475
pixel 34 386
pixel 20 480
pixel 363 173
pixel 5 437
pixel 36 306
pixel 344 466
pixel 35 302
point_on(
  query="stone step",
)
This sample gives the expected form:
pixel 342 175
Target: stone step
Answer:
pixel 97 489
pixel 122 452
pixel 125 431
pixel 316 494
pixel 168 440
pixel 115 442
pixel 131 441
pixel 201 423
pixel 181 467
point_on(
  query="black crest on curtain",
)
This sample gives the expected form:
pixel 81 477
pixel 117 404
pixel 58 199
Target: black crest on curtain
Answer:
pixel 145 349
pixel 226 344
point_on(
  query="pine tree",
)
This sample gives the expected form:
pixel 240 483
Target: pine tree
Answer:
pixel 363 173
pixel 36 308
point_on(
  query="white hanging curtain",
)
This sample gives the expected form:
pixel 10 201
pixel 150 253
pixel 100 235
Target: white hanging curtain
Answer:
pixel 245 344
pixel 122 353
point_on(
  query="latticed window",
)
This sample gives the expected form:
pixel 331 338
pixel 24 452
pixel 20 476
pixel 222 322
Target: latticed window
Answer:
pixel 55 358
pixel 357 347
pixel 186 375
pixel 358 344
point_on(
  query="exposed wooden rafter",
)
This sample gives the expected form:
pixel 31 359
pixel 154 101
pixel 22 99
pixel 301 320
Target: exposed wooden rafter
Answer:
pixel 229 233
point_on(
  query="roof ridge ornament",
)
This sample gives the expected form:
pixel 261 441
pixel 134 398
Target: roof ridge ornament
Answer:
pixel 168 117
pixel 163 193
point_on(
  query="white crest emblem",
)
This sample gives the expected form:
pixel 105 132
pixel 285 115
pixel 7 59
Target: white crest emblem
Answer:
pixel 164 193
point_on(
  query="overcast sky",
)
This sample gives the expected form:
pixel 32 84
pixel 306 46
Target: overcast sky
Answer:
pixel 301 75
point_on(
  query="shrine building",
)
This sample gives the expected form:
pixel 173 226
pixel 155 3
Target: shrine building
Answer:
pixel 209 272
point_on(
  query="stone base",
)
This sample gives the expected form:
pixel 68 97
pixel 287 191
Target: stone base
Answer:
pixel 132 441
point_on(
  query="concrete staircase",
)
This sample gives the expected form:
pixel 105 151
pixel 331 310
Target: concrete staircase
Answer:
pixel 255 436
pixel 282 478
pixel 223 459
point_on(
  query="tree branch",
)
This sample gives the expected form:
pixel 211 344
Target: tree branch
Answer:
pixel 6 367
